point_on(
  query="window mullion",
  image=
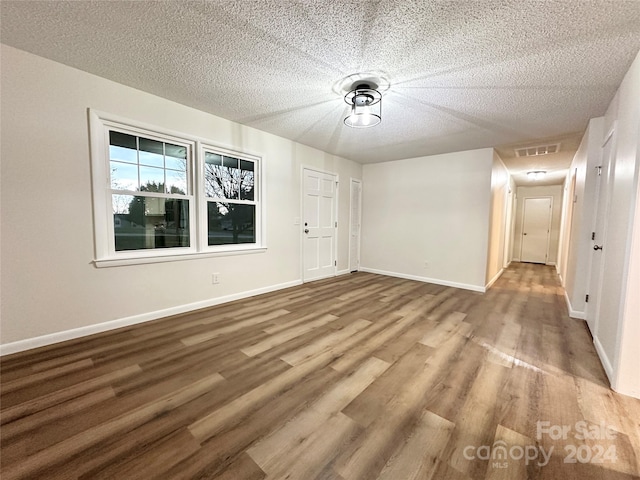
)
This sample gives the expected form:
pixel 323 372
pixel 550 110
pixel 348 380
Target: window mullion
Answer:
pixel 199 192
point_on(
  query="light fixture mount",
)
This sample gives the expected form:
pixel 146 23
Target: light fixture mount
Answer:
pixel 363 95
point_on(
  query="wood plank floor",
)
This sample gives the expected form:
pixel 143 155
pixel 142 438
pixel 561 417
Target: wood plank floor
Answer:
pixel 359 377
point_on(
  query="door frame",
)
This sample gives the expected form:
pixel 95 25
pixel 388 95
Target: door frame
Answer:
pixel 352 181
pixel 301 223
pixel 509 224
pixel 593 308
pixel 566 224
pixel 524 201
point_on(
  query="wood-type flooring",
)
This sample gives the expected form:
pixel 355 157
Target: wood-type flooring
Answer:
pixel 358 377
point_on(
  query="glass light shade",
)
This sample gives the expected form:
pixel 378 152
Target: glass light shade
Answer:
pixel 537 175
pixel 366 107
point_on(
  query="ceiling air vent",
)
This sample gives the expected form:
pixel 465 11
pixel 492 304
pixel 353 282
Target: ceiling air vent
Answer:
pixel 539 150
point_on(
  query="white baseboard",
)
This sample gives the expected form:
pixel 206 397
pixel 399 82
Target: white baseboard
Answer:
pixel 551 264
pixel 343 272
pixel 493 280
pixel 574 313
pixel 41 341
pixel 436 281
pixel 629 392
pixel 604 359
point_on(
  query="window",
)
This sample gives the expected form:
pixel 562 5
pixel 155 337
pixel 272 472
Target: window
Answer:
pixel 149 192
pixel 229 185
pixel 168 195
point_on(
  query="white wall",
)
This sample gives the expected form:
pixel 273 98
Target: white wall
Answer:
pixel 500 188
pixel 617 335
pixel 575 265
pixel 627 377
pixel 429 209
pixel 49 283
pixel 617 331
pixel 554 191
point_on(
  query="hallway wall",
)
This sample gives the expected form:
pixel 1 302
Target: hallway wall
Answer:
pixel 500 182
pixel 575 266
pixel 617 331
pixel 618 336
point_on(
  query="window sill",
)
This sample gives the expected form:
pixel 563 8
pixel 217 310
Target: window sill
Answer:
pixel 119 262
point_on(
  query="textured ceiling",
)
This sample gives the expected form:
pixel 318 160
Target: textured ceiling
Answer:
pixel 463 74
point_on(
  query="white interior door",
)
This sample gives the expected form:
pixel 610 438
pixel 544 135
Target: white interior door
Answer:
pixel 319 225
pixel 536 223
pixel 354 225
pixel 596 272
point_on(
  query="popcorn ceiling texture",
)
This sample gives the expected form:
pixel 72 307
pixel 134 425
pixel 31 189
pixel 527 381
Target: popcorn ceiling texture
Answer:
pixel 464 74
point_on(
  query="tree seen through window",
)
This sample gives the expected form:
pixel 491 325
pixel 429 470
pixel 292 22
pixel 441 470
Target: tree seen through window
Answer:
pixel 230 190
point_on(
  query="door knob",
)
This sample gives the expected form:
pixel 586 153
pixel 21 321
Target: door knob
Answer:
pixel 306 230
pixel 597 247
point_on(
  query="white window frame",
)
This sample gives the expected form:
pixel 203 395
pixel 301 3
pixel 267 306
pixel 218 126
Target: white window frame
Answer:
pixel 203 199
pixel 100 124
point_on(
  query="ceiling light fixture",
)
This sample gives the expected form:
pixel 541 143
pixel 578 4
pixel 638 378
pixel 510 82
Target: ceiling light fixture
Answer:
pixel 366 106
pixel 536 175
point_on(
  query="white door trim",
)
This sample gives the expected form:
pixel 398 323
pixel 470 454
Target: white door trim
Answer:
pixel 592 308
pixel 353 181
pixel 509 219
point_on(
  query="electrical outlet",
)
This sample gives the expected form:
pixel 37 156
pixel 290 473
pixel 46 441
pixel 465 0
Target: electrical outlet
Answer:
pixel 215 278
